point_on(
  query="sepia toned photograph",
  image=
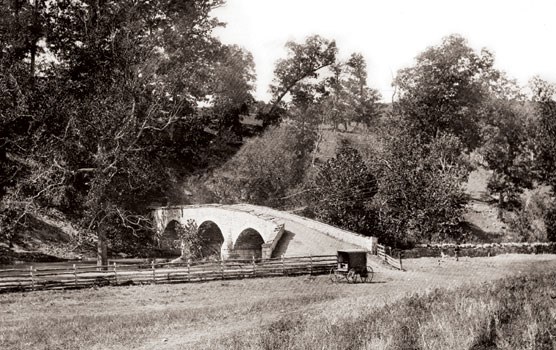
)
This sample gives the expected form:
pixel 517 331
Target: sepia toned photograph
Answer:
pixel 276 175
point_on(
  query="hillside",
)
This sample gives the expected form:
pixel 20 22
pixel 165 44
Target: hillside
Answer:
pixel 46 238
pixel 481 214
pixel 50 236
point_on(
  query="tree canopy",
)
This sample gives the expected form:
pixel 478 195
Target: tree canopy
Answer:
pixel 101 100
pixel 303 62
pixel 342 191
pixel 444 91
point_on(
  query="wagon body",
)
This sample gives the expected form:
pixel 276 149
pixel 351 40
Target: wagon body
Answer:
pixel 351 259
pixel 350 264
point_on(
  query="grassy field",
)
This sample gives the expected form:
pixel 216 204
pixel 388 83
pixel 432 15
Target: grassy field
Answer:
pixel 513 313
pixel 300 312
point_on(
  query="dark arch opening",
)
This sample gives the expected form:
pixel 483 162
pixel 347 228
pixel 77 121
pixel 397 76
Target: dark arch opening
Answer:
pixel 249 245
pixel 169 242
pixel 211 239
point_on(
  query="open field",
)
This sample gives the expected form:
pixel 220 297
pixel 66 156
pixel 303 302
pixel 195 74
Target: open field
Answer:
pixel 222 314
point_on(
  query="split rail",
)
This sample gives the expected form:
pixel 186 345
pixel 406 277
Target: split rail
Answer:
pixel 16 280
pixel 385 253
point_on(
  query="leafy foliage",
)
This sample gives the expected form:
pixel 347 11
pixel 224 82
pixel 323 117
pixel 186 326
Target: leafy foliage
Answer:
pixel 365 101
pixel 550 220
pixel 545 140
pixel 342 190
pixel 303 62
pixel 545 144
pixel 96 131
pixel 341 97
pixel 443 92
pixel 531 221
pixel 420 194
pixel 507 149
pixel 189 240
pixel 231 95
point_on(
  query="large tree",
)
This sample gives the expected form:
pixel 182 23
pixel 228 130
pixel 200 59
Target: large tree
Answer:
pixel 342 191
pixel 303 63
pixel 420 197
pixel 364 100
pixel 544 98
pixel 97 130
pixel 444 91
pixel 232 88
pixel 507 150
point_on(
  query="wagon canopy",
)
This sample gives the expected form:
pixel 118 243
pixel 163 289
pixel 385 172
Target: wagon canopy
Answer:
pixel 354 258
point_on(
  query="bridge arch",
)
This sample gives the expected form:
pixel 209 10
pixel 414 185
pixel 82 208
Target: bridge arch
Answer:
pixel 249 244
pixel 168 240
pixel 212 239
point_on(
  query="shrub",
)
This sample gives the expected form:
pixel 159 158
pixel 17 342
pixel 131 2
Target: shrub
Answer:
pixel 550 221
pixel 342 191
pixel 420 195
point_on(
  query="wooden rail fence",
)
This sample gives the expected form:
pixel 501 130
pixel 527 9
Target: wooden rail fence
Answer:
pixel 16 280
pixel 385 253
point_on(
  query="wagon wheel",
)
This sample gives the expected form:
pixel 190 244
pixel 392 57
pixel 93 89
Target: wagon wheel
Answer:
pixel 351 276
pixel 369 276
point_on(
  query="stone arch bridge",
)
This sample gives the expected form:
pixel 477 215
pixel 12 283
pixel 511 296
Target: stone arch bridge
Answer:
pixel 245 231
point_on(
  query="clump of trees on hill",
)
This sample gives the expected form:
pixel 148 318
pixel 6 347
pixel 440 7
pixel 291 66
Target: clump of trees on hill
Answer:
pixel 107 106
pixel 451 103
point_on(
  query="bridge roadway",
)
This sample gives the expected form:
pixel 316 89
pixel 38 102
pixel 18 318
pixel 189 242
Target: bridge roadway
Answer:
pixel 245 231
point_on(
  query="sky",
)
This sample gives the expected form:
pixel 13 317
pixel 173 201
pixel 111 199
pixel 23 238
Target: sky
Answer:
pixel 391 33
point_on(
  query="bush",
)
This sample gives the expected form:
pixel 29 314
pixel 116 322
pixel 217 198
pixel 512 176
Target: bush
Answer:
pixel 529 221
pixel 421 195
pixel 550 222
pixel 342 191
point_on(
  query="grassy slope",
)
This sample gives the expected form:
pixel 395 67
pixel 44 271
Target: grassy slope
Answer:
pixel 254 312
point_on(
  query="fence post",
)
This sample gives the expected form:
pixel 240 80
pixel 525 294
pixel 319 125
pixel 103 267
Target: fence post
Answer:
pixel 311 267
pixel 222 268
pixel 283 267
pixel 75 274
pixel 188 270
pixel 115 273
pixel 154 272
pixel 254 267
pixel 400 256
pixel 32 279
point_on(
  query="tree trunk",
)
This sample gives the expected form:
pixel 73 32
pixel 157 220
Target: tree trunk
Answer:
pixel 500 205
pixel 102 252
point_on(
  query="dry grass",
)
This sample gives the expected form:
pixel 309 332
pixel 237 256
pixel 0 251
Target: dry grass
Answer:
pixel 273 313
pixel 514 313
